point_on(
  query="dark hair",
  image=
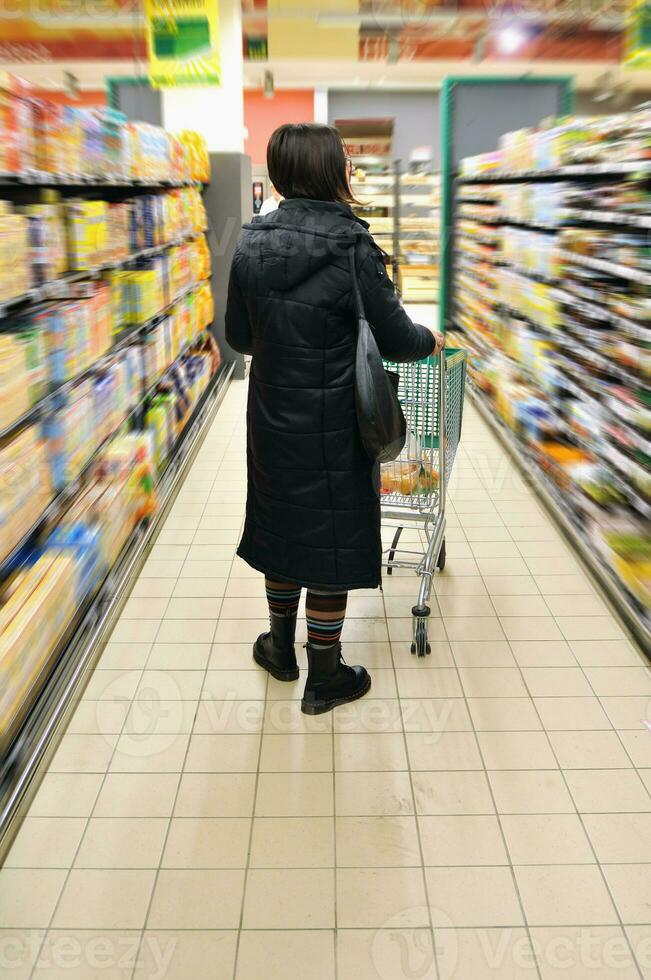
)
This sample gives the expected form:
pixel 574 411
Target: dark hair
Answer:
pixel 309 160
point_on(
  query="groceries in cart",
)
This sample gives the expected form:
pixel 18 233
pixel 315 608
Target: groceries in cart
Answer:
pixel 408 478
pixel 411 473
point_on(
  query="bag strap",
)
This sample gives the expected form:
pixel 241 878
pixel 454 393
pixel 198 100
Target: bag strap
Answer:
pixel 357 296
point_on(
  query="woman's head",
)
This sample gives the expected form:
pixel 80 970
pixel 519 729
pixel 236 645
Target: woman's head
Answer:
pixel 309 160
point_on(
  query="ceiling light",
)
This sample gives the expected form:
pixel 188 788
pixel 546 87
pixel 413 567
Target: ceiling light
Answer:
pixel 510 39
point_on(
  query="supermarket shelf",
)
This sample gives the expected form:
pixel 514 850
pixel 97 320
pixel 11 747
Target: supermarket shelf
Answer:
pixel 574 170
pixel 64 498
pixel 46 403
pixel 37 178
pixel 41 730
pixel 51 290
pixel 550 496
pixel 610 268
pixel 608 217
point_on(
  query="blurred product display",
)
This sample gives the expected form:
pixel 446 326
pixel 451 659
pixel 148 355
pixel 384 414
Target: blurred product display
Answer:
pixel 40 139
pixel 552 292
pixel 403 212
pixel 105 356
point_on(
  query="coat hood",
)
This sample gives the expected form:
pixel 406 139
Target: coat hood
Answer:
pixel 291 244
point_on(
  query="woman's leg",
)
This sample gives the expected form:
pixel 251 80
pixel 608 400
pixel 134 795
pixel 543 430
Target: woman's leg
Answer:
pixel 325 613
pixel 283 597
pixel 330 681
pixel 275 650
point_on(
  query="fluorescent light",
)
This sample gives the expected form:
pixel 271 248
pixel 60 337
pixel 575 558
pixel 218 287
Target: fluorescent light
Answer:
pixel 510 39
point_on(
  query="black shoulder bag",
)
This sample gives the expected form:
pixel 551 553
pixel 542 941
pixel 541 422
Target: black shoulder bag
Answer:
pixel 380 418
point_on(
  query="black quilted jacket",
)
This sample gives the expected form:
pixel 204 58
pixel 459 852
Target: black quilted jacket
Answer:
pixel 313 505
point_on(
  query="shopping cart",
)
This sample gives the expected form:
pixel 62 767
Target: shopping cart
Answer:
pixel 414 486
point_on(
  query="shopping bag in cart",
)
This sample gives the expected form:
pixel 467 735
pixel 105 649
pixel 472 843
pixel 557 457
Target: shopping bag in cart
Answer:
pixel 412 473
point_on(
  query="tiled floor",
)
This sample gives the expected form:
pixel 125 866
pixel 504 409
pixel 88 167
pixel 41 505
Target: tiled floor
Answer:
pixel 490 803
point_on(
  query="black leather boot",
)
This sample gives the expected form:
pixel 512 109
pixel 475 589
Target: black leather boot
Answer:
pixel 330 681
pixel 275 650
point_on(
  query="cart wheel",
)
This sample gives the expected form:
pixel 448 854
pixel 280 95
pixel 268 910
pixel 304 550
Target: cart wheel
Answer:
pixel 440 561
pixel 420 645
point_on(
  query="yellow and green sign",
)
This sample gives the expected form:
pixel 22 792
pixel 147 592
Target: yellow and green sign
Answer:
pixel 637 40
pixel 183 42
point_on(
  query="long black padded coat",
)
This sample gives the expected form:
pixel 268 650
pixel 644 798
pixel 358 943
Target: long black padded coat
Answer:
pixel 313 503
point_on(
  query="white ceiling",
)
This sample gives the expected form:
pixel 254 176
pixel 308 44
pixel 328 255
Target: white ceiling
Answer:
pixel 338 74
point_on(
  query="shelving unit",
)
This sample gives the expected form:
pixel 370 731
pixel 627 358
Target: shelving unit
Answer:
pixel 403 214
pixel 561 354
pixel 34 728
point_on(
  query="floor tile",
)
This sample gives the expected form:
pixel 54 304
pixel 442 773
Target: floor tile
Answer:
pixel 293 842
pixel 296 753
pixel 77 954
pixel 608 790
pixel 137 795
pixel 564 895
pixel 66 794
pixel 504 714
pixel 631 888
pixel 480 653
pixel 480 897
pixel 207 843
pixel 516 750
pixel 372 898
pixel 215 795
pixel 28 896
pixel 202 955
pixel 619 838
pixel 522 791
pixel 223 753
pixel 289 898
pixel 567 713
pixel 365 753
pixel 535 838
pixel 377 794
pixel 295 794
pixel 443 750
pixel 196 899
pixel 104 899
pixel 122 842
pixel 485 954
pixel 460 840
pixel 367 842
pixel 377 954
pixel 275 955
pixel 588 750
pixel 563 953
pixel 546 682
pixel 492 682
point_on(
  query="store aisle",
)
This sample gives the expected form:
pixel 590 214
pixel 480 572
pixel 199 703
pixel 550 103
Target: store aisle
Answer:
pixel 194 824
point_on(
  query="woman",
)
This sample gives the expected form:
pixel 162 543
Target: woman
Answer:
pixel 313 504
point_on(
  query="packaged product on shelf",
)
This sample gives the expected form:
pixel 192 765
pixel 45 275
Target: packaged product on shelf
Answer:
pixel 34 613
pixel 15 399
pixel 48 144
pixel 17 146
pixel 71 435
pixel 25 486
pixel 146 297
pixel 160 424
pixel 87 226
pixel 155 353
pixel 82 541
pixel 196 152
pixel 15 271
pixel 47 238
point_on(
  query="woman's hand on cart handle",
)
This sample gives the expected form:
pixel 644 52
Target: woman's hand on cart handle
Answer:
pixel 439 341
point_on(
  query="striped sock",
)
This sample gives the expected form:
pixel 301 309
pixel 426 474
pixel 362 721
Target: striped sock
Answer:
pixel 325 613
pixel 283 598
